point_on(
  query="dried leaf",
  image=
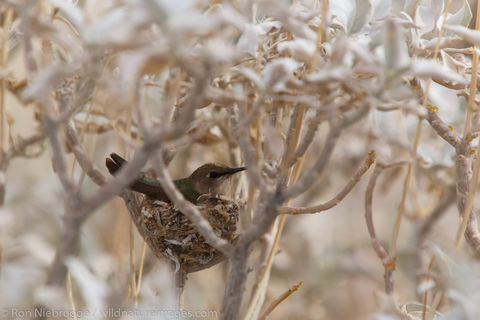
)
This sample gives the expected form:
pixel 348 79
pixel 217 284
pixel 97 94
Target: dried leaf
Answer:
pixel 461 18
pixel 470 35
pixel 362 14
pixel 435 70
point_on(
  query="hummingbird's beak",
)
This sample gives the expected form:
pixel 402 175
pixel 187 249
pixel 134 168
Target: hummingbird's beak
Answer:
pixel 235 170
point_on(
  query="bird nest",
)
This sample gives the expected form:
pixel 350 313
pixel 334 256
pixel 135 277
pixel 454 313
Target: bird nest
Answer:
pixel 170 234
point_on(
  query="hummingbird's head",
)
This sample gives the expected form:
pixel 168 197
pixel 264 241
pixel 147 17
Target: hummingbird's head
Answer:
pixel 210 177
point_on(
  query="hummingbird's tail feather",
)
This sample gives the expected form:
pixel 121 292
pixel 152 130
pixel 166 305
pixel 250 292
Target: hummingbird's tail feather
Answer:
pixel 113 165
pixel 145 184
pixel 118 160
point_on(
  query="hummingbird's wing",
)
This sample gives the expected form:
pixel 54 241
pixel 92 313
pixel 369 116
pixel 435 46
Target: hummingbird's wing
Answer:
pixel 145 184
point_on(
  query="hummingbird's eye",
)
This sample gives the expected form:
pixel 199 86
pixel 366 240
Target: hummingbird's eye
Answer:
pixel 213 174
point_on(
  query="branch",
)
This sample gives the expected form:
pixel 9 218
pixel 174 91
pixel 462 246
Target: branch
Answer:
pixel 293 135
pixel 18 150
pixel 369 160
pixel 307 138
pixel 263 220
pixel 49 128
pixel 379 249
pixel 426 227
pixel 75 145
pixel 463 188
pixel 312 174
pixel 387 261
pixel 442 129
pixel 248 155
pixel 279 300
pixel 69 238
pixel 463 172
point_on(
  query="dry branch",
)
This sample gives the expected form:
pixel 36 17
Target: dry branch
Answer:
pixel 369 160
pixel 279 300
pixel 387 260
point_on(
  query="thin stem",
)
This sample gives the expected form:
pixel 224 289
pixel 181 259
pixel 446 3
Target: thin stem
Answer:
pixel 180 281
pixel 425 295
pixel 71 301
pixel 387 261
pixel 413 154
pixel 7 21
pixel 406 183
pixel 292 142
pixel 369 160
pixel 133 277
pixel 279 300
pixel 467 212
pixel 140 271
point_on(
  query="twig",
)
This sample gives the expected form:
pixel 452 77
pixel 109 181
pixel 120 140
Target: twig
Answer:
pixel 463 173
pixel 312 174
pixel 448 199
pixel 467 212
pixel 369 160
pixel 73 141
pixel 258 293
pixel 140 271
pixel 279 300
pixel 307 138
pixel 131 256
pixel 393 242
pixel 68 288
pixel 263 220
pixel 50 130
pixel 381 252
pixel 293 136
pixel 406 184
pixel 7 21
pixel 180 280
pixel 425 295
pixel 240 134
pixel 463 177
pixel 442 129
pixel 253 114
pixel 439 210
pixel 82 208
pixel 387 260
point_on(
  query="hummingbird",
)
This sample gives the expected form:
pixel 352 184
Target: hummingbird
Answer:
pixel 206 179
